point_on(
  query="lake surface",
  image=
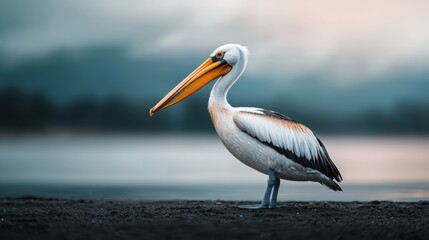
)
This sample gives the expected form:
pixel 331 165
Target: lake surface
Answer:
pixel 199 167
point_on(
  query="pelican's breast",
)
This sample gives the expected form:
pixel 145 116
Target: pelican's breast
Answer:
pixel 238 143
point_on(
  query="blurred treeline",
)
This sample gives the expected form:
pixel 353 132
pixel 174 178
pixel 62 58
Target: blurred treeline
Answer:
pixel 34 112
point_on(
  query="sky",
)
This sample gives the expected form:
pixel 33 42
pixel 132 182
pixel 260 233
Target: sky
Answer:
pixel 352 54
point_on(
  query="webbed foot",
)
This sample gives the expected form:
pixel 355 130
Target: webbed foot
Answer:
pixel 273 206
pixel 256 206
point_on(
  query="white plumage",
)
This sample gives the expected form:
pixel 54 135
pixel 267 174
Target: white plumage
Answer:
pixel 301 141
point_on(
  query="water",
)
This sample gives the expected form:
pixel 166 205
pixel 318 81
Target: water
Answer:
pixel 199 167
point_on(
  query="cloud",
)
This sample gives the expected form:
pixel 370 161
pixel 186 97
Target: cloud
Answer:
pixel 346 40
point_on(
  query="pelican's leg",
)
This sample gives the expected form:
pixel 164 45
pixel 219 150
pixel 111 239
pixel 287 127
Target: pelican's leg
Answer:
pixel 266 201
pixel 273 203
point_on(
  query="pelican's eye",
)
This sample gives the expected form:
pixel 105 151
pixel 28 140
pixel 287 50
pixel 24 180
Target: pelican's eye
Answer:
pixel 219 54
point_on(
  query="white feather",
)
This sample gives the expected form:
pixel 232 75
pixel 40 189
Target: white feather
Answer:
pixel 275 131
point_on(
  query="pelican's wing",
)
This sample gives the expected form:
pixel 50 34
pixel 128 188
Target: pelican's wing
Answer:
pixel 289 138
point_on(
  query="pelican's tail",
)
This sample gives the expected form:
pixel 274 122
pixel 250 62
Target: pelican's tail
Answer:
pixel 329 183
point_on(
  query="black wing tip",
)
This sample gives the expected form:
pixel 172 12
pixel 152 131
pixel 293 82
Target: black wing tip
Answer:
pixel 333 186
pixel 337 188
pixel 333 171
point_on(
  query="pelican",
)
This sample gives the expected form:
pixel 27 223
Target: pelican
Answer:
pixel 264 140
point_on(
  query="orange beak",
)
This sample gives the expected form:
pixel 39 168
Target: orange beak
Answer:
pixel 207 72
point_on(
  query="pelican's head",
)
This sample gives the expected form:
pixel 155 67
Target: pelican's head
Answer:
pixel 220 63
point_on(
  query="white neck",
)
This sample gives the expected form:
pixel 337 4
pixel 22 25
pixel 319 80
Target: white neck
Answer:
pixel 223 84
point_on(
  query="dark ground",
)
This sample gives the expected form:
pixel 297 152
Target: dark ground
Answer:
pixel 39 218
